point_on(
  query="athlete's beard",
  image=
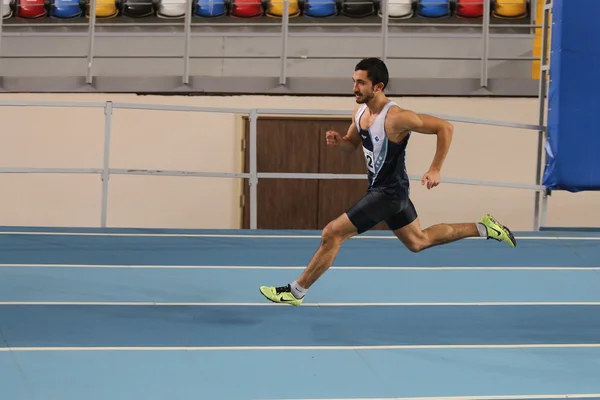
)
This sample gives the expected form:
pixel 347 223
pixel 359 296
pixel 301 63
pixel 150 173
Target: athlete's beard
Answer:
pixel 362 99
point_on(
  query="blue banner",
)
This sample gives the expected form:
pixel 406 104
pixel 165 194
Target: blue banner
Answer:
pixel 573 146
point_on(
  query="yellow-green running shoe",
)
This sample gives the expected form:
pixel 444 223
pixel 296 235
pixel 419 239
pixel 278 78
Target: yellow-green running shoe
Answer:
pixel 497 231
pixel 281 294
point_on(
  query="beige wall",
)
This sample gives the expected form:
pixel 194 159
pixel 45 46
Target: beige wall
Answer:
pixel 50 137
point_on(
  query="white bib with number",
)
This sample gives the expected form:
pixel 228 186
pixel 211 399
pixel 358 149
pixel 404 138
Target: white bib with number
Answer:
pixel 369 159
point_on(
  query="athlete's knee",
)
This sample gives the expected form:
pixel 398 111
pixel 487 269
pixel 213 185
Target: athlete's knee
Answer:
pixel 337 231
pixel 331 234
pixel 416 246
pixel 417 242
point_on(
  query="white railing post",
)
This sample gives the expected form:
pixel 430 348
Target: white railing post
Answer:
pixel 106 166
pixel 253 170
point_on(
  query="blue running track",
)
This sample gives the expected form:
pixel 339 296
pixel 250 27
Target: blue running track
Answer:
pixel 123 314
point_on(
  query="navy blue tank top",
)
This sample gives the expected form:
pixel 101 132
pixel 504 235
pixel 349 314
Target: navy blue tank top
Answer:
pixel 385 160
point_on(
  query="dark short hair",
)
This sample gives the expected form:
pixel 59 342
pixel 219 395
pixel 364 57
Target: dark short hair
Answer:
pixel 376 70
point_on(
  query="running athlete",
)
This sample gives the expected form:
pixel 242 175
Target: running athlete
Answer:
pixel 383 130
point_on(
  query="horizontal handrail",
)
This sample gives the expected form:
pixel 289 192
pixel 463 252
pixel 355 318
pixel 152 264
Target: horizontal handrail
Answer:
pixel 260 175
pixel 459 181
pixel 247 111
pixel 139 171
pixel 37 170
pixel 30 103
pixel 167 107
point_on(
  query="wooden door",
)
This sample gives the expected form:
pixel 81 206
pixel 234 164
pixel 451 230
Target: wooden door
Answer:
pixel 296 144
pixel 284 146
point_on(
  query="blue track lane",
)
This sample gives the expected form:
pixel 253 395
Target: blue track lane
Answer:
pixel 305 374
pixel 101 326
pixel 49 249
pixel 337 286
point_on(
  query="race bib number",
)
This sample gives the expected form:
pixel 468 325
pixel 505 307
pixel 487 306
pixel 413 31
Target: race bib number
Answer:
pixel 369 160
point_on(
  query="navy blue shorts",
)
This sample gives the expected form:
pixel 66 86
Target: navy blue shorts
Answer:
pixel 377 206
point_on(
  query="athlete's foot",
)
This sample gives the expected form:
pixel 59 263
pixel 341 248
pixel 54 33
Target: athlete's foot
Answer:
pixel 281 294
pixel 497 231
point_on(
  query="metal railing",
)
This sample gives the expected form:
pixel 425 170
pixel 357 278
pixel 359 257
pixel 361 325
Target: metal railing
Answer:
pixel 253 175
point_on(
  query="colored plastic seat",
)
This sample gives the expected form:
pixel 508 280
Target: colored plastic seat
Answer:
pixel 171 9
pixel 138 8
pixel 469 8
pixel 210 8
pixel 434 8
pixel 7 8
pixel 509 9
pixel 400 9
pixel 65 9
pixel 30 9
pixel 319 8
pixel 247 8
pixel 105 9
pixel 357 8
pixel 275 8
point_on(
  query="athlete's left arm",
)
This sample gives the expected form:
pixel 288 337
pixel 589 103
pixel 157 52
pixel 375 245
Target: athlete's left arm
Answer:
pixel 429 125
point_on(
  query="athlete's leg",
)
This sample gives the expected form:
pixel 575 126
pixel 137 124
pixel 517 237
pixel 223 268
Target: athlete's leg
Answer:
pixel 416 239
pixel 366 213
pixel 332 237
pixel 407 228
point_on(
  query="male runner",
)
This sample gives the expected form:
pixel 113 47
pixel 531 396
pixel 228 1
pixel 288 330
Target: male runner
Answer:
pixel 383 130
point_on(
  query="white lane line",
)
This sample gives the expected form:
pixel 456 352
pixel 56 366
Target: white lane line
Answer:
pixel 316 348
pixel 261 236
pixel 500 397
pixel 270 304
pixel 268 267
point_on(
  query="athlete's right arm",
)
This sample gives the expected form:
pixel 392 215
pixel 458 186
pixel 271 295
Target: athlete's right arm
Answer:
pixel 348 143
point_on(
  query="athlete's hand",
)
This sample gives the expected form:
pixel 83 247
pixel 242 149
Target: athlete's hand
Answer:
pixel 431 178
pixel 333 138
